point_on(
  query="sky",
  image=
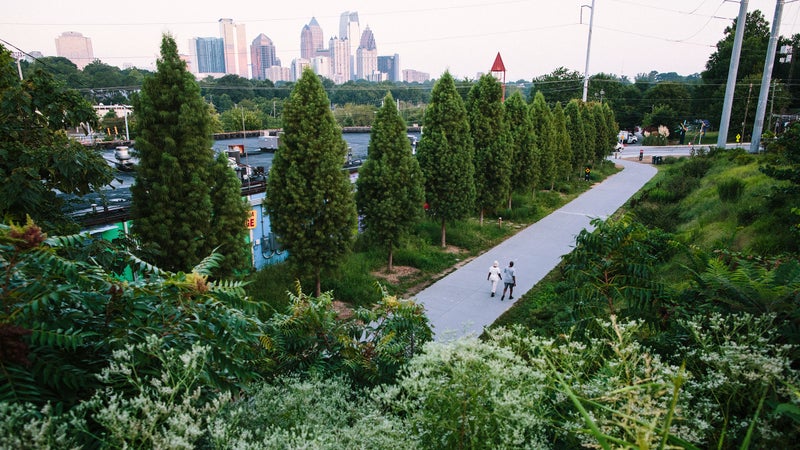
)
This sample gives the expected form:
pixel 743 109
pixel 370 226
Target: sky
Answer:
pixel 533 37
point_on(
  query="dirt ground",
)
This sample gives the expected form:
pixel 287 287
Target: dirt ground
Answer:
pixel 409 273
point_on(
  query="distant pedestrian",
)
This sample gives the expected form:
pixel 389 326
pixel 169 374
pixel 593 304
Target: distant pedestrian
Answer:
pixel 682 131
pixel 494 276
pixel 510 280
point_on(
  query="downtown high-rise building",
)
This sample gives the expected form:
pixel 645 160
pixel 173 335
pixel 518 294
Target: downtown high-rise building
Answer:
pixel 311 40
pixel 75 47
pixel 367 57
pixel 340 60
pixel 262 57
pixel 233 36
pixel 207 55
pixel 349 29
pixel 390 65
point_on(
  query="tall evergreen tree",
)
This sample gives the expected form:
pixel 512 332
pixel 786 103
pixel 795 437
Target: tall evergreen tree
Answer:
pixel 524 156
pixel 603 137
pixel 173 206
pixel 445 154
pixel 390 188
pixel 563 144
pixel 611 125
pixel 542 119
pixel 229 211
pixel 590 131
pixel 309 197
pixel 577 135
pixel 492 140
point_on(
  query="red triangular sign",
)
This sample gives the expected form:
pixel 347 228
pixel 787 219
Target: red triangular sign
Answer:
pixel 498 64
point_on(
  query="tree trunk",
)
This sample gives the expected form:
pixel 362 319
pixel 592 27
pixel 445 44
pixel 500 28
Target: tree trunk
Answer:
pixel 481 216
pixel 391 255
pixel 509 201
pixel 318 290
pixel 444 235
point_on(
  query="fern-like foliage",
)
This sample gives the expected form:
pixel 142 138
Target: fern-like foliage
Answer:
pixel 65 311
pixel 369 345
pixel 611 268
pixel 734 282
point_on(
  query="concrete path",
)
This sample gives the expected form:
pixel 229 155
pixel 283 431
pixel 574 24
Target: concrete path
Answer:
pixel 459 304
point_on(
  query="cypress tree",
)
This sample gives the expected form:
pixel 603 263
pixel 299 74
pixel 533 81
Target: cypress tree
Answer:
pixel 603 136
pixel 542 119
pixel 390 188
pixel 309 197
pixel 590 131
pixel 577 135
pixel 229 212
pixel 524 167
pixel 172 203
pixel 563 143
pixel 445 154
pixel 611 125
pixel 492 140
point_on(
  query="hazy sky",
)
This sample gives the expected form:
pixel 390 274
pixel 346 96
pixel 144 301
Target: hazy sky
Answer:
pixel 534 37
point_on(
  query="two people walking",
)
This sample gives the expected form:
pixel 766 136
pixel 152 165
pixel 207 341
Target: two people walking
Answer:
pixel 508 275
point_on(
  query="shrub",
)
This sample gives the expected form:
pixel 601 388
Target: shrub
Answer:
pixel 468 394
pixel 300 412
pixel 730 189
pixel 695 167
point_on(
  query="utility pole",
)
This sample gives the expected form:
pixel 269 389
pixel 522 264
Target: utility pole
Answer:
pixel 746 108
pixel 722 140
pixel 766 78
pixel 588 49
pixel 18 57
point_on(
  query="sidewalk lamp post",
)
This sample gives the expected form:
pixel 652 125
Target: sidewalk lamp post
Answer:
pixel 602 93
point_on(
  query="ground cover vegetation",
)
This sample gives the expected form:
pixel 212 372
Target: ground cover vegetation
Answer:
pixel 704 258
pixel 670 326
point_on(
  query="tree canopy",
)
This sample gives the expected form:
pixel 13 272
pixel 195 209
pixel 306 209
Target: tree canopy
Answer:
pixel 492 139
pixel 390 187
pixel 37 158
pixel 309 197
pixel 445 152
pixel 180 198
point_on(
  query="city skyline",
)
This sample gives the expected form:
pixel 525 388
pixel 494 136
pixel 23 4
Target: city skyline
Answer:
pixel 534 38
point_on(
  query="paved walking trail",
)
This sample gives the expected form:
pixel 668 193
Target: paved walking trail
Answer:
pixel 459 304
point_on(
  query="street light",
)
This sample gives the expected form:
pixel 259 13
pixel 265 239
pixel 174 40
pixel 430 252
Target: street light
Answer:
pixel 602 92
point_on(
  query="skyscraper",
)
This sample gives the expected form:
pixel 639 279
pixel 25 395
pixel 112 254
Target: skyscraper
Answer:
pixel 75 47
pixel 311 40
pixel 207 55
pixel 366 56
pixel 233 36
pixel 390 65
pixel 349 29
pixel 340 60
pixel 262 56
